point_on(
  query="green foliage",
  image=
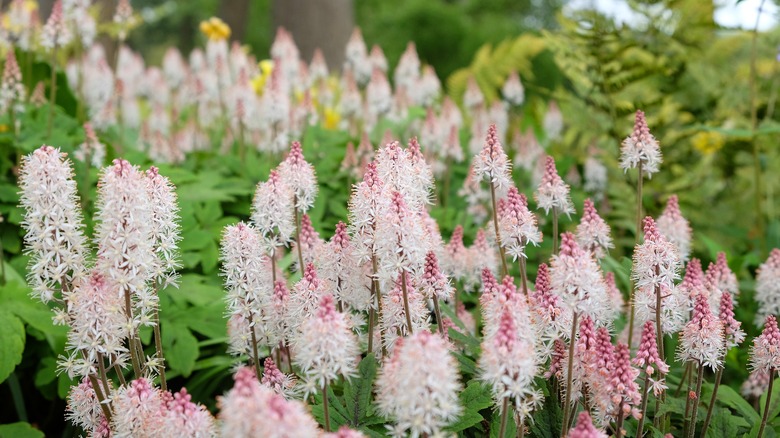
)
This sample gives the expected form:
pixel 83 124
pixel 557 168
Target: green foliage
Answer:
pixel 19 430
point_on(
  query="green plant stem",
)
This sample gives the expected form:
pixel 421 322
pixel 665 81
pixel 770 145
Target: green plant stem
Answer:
pixel 255 355
pixel 375 280
pixel 131 337
pixel 640 178
pixel 101 398
pixel 371 323
pixel 768 400
pixel 710 408
pixel 570 366
pixel 273 265
pixel 158 347
pixel 325 406
pixel 502 254
pixel 523 275
pixel 18 396
pixel 103 375
pixel 643 409
pixel 504 414
pixel 695 404
pixel 658 329
pixel 406 304
pixel 619 422
pixel 120 375
pixel 437 312
pixel 555 230
pixel 688 402
pixel 301 267
pixel 53 95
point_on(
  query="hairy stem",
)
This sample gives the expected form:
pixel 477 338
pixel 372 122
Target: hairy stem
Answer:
pixel 375 280
pixel 705 426
pixel 437 312
pixel 406 304
pixel 567 400
pixel 639 180
pixel 120 375
pixel 325 406
pixel 504 414
pixel 131 336
pixel 767 403
pixel 502 253
pixel 619 422
pixel 255 355
pixel 555 230
pixel 695 404
pixel 158 347
pixel 523 275
pixel 641 425
pixel 298 233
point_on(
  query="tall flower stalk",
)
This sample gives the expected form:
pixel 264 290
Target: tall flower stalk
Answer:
pixel 553 195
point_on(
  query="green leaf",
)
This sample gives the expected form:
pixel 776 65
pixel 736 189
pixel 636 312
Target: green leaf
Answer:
pixel 469 342
pixel 473 399
pixel 180 348
pixel 730 398
pixel 774 405
pixel 725 425
pixel 195 239
pixel 495 425
pixel 11 343
pixel 19 430
pixel 357 391
pixel 548 419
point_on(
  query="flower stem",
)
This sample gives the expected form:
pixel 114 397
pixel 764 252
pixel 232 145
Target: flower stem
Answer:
pixel 523 275
pixel 640 178
pixel 377 290
pixel 718 376
pixel 567 403
pixel 504 412
pixel 120 375
pixel 619 422
pixel 100 396
pixel 371 317
pixel 255 356
pixel 766 404
pixel 406 304
pixel 298 233
pixel 695 404
pixel 658 332
pixel 502 254
pixel 325 406
pixel 437 312
pixel 555 230
pixel 131 336
pixel 103 376
pixel 641 425
pixel 158 346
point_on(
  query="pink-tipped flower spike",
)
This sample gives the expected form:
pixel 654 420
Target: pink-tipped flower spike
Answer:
pixel 419 409
pixel 401 239
pixel 92 151
pixel 272 210
pixel 513 90
pixel 596 177
pixel 124 18
pixel 422 174
pixel 765 354
pixel 475 195
pixel 647 357
pixel 553 193
pixel 248 282
pixel 305 299
pixel 379 97
pixel 456 257
pixel 340 268
pixel 693 281
pixel 517 225
pixel 53 224
pixel 83 408
pixel 279 310
pixel 166 232
pixel 585 428
pixel 357 60
pixel 466 318
pixel 593 233
pixel 12 91
pixel 768 286
pixel 186 419
pixel 553 121
pixel 326 347
pixel 731 327
pixel 641 148
pixel 300 177
pixel 492 164
pixel 275 379
pixel 366 206
pixel 124 234
pixel 604 352
pixel 507 364
pixel 481 255
pixel 719 279
pixel 394 322
pixel 251 409
pixel 656 267
pixel 552 320
pixel 557 360
pixel 576 279
pixel 98 326
pixel 702 338
pixel 55 33
pixel 433 283
pixel 312 245
pixel 755 385
pixel 400 170
pixel 473 97
pixel 137 410
pixel 675 228
pixel 622 386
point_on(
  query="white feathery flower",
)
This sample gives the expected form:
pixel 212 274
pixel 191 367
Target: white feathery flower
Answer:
pixel 473 97
pixel 719 278
pixel 675 228
pixel 593 231
pixel 84 409
pixel 379 96
pixel 517 225
pixel 418 386
pixel 393 322
pixel 124 236
pixel 185 419
pixel 408 69
pixel 513 90
pixel 596 177
pixel 656 266
pixel 553 193
pixel 247 274
pixel 641 148
pixel 553 121
pixel 576 279
pixel 492 163
pixel 366 207
pixel 250 409
pixel 357 60
pixel 701 339
pixel 272 210
pixel 400 239
pixel 341 268
pixel 404 171
pixel 768 287
pixel 304 299
pixel 326 348
pixel 300 177
pixel 166 232
pixel 54 230
pixel 55 33
pixel 12 91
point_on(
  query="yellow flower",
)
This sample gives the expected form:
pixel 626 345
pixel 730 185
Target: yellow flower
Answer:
pixel 708 142
pixel 215 29
pixel 3 128
pixel 332 119
pixel 258 82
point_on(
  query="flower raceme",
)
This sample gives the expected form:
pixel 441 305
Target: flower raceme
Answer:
pixel 641 148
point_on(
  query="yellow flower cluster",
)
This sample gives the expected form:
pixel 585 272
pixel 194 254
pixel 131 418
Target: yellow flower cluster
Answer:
pixel 258 82
pixel 215 29
pixel 708 142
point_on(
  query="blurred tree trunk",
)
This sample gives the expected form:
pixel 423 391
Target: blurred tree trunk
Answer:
pixel 235 13
pixel 326 24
